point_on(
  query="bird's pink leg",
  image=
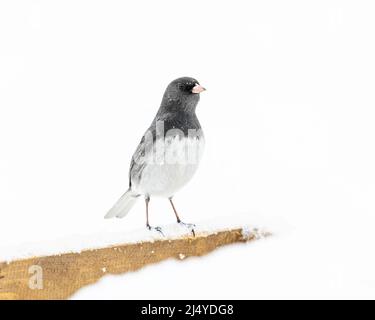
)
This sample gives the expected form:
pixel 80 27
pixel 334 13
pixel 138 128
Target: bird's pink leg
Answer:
pixel 158 229
pixel 188 225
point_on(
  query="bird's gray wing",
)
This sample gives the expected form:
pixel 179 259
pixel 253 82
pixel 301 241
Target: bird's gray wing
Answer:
pixel 140 158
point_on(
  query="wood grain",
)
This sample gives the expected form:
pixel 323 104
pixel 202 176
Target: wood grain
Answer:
pixel 62 275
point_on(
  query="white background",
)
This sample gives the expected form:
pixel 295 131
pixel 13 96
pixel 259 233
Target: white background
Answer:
pixel 288 117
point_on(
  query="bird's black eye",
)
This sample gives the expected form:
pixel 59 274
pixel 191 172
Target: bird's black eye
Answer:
pixel 186 87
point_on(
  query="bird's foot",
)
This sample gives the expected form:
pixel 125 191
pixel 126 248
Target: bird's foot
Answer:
pixel 158 229
pixel 189 226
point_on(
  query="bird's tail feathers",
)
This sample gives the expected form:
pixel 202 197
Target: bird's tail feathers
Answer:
pixel 123 205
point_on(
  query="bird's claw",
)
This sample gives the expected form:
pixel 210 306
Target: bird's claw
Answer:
pixel 190 226
pixel 158 229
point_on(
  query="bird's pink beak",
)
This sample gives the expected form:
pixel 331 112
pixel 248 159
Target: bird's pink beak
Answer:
pixel 198 89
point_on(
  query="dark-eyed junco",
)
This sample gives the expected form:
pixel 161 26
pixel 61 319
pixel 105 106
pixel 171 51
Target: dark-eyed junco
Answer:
pixel 169 152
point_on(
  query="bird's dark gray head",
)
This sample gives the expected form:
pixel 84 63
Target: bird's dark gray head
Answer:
pixel 181 95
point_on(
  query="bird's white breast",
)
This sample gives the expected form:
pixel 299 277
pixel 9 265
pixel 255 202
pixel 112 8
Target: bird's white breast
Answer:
pixel 170 166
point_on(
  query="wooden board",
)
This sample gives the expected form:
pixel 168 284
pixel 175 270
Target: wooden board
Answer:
pixel 60 276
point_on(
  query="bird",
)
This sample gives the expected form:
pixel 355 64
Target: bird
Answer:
pixel 168 154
